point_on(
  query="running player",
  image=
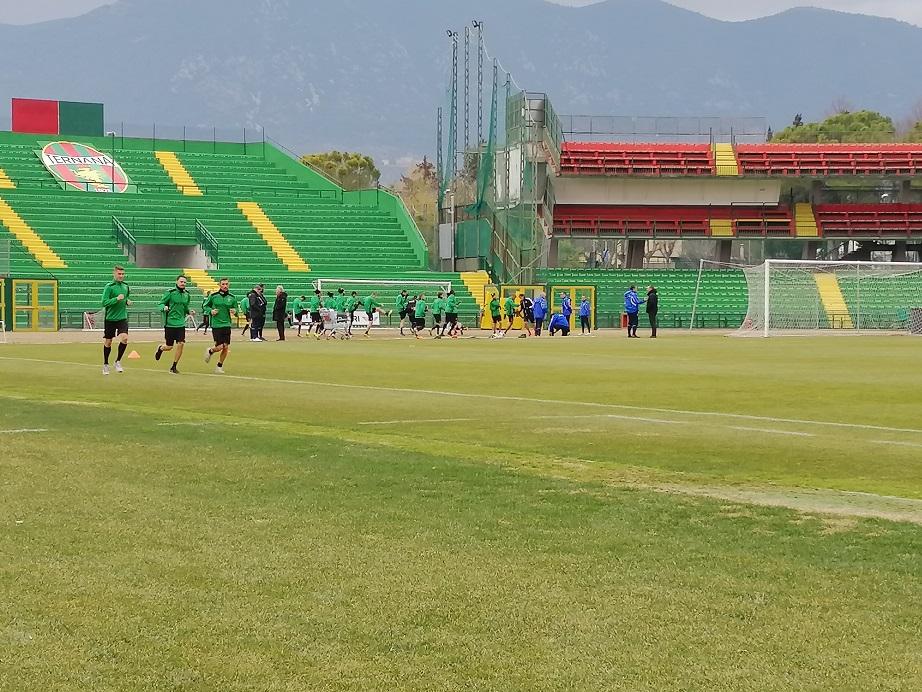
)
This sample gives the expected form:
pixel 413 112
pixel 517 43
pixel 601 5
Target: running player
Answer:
pixel 509 307
pixel 496 314
pixel 451 314
pixel 400 304
pixel 298 309
pixel 438 306
pixel 352 305
pixel 221 306
pixel 205 315
pixel 419 315
pixel 527 311
pixel 116 303
pixel 314 305
pixel 175 304
pixel 372 306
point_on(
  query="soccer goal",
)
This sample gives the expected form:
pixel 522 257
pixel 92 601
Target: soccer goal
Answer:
pixel 802 296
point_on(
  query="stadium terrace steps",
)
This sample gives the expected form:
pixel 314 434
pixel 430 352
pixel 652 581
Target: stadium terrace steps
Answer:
pixel 178 174
pixel 201 280
pixel 621 159
pixel 672 221
pixel 29 239
pixel 476 282
pixel 804 221
pixel 273 237
pixel 869 219
pixel 830 159
pixel 725 160
pixel 833 301
pixel 5 182
pixel 722 298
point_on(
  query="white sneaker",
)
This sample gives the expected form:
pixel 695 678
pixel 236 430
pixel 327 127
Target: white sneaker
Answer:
pixel 219 371
pixel 105 369
pixel 207 355
pixel 256 340
pixel 118 367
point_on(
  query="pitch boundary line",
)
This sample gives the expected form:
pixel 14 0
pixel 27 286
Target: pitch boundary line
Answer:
pixel 505 397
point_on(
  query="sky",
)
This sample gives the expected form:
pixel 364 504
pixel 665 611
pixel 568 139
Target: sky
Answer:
pixel 28 11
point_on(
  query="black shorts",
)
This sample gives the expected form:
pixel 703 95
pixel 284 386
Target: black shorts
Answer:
pixel 315 317
pixel 497 319
pixel 404 314
pixel 110 329
pixel 437 320
pixel 419 322
pixel 221 335
pixel 173 335
pixel 301 314
pixel 451 317
pixel 371 316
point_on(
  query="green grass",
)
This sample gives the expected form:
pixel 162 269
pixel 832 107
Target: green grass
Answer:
pixel 597 521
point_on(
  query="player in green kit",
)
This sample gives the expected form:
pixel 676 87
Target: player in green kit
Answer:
pixel 419 315
pixel 116 303
pixel 451 314
pixel 221 306
pixel 401 303
pixel 438 307
pixel 352 304
pixel 371 306
pixel 509 308
pixel 175 305
pixel 496 314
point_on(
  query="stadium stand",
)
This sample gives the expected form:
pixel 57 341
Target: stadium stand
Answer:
pixel 337 234
pixel 829 159
pixel 722 296
pixel 621 159
pixel 845 220
pixel 660 221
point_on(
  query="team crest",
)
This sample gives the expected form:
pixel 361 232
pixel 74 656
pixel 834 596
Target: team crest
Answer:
pixel 81 167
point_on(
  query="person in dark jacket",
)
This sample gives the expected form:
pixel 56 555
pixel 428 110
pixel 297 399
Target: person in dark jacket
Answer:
pixel 652 309
pixel 257 313
pixel 559 323
pixel 632 303
pixel 280 311
pixel 539 310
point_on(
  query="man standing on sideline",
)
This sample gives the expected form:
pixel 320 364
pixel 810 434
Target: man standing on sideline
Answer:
pixel 258 306
pixel 632 303
pixel 280 311
pixel 652 309
pixel 585 312
pixel 540 312
pixel 116 303
pixel 175 304
pixel 566 307
pixel 221 306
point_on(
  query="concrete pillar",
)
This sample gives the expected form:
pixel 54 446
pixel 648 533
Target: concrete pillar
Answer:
pixel 817 191
pixel 899 251
pixel 811 249
pixel 553 251
pixel 635 252
pixel 725 251
pixel 906 193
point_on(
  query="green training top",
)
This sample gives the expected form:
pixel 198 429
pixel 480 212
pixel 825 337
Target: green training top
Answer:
pixel 339 302
pixel 116 310
pixel 370 304
pixel 176 303
pixel 296 306
pixel 420 308
pixel 509 306
pixel 401 302
pixel 438 305
pixel 451 304
pixel 223 303
pixel 351 303
pixel 314 303
pixel 494 307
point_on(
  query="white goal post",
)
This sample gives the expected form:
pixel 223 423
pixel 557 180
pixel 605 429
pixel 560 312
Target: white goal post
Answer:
pixel 801 296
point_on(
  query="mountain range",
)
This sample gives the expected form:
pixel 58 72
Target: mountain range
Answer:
pixel 368 75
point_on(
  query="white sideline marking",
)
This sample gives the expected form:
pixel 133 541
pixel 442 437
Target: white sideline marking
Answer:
pixel 771 431
pixel 898 443
pixel 23 430
pixel 429 420
pixel 501 397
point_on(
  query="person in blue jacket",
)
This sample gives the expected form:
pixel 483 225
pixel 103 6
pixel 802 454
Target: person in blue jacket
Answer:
pixel 540 312
pixel 559 323
pixel 632 303
pixel 566 307
pixel 585 310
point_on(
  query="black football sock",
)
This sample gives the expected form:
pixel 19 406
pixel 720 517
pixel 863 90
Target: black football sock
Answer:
pixel 106 350
pixel 121 352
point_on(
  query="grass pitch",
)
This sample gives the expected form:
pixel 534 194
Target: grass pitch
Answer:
pixel 686 513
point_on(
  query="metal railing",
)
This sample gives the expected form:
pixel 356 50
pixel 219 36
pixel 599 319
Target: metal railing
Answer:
pixel 227 190
pixel 125 239
pixel 207 241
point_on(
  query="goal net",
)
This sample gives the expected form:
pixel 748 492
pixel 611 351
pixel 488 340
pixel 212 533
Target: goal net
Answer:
pixel 387 290
pixel 794 296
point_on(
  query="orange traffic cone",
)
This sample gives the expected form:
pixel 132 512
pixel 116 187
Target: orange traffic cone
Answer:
pixel 134 355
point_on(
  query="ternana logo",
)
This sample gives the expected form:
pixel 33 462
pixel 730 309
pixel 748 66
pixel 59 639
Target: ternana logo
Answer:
pixel 84 168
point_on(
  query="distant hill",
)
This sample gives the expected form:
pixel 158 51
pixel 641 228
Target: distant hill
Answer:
pixel 368 74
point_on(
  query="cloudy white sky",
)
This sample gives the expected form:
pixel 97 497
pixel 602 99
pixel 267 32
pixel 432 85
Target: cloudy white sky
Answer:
pixel 27 11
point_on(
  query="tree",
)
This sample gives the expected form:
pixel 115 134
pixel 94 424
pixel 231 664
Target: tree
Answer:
pixel 915 133
pixel 419 189
pixel 352 171
pixel 861 126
